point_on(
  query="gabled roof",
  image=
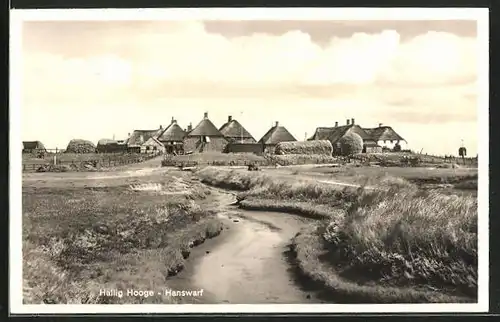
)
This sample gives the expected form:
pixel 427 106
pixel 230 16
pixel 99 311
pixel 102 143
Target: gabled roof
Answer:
pixel 277 134
pixel 233 129
pixel 383 133
pixel 135 138
pixel 333 134
pixel 205 128
pixel 172 133
pixel 153 140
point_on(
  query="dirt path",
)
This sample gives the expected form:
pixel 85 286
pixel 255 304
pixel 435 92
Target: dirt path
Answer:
pixel 248 263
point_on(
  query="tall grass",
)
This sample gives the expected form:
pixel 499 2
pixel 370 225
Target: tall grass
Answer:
pixel 396 235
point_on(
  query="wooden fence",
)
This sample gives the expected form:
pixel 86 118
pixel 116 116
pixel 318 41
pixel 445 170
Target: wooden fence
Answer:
pixel 104 162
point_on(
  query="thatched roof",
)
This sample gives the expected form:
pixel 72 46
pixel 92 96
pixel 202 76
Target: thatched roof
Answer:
pixel 277 134
pixel 323 147
pixel 233 129
pixel 384 133
pixel 172 133
pixel 139 137
pixel 205 128
pixel 106 142
pixel 333 134
pixel 32 145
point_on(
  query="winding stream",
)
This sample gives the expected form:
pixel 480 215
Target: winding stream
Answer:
pixel 248 262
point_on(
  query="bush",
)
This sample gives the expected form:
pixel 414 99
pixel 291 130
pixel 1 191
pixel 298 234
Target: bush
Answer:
pixel 351 144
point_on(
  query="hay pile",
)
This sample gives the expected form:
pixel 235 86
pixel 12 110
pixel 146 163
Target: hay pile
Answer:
pixel 317 147
pixel 80 146
pixel 351 144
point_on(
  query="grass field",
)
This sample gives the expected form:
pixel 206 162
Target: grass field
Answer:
pixel 397 242
pixel 78 157
pixel 114 234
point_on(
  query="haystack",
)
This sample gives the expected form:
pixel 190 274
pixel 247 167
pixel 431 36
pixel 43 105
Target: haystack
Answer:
pixel 320 147
pixel 80 146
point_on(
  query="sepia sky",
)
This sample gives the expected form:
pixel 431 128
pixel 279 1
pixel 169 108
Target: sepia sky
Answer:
pixel 96 79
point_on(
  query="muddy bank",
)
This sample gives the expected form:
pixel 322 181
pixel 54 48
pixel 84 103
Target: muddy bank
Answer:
pixel 248 263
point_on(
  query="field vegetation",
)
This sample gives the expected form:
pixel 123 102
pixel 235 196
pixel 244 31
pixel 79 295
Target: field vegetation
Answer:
pixel 113 234
pixel 390 242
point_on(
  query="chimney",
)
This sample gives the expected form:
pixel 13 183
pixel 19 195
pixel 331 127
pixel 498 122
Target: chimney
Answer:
pixel 229 118
pixel 277 123
pixel 190 127
pixel 173 121
pixel 347 121
pixel 205 115
pixel 161 127
pixel 336 124
pixel 352 121
pixel 380 125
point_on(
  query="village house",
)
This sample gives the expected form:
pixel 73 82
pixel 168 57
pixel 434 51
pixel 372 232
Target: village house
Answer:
pixel 204 137
pixel 275 135
pixel 110 146
pixel 234 132
pixel 173 138
pixel 152 145
pixel 386 137
pixel 33 147
pixel 139 137
pixel 335 133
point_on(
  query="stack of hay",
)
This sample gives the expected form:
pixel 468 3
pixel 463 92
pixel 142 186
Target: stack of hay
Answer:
pixel 80 146
pixel 318 147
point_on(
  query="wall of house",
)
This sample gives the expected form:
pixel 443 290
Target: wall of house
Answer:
pixel 196 144
pixel 390 144
pixel 239 140
pixel 373 149
pixel 255 148
pixel 269 148
pixel 152 148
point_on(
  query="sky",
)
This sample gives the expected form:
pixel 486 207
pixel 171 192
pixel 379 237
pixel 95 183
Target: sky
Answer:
pixel 103 79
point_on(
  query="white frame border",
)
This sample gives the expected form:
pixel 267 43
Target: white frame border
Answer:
pixel 15 267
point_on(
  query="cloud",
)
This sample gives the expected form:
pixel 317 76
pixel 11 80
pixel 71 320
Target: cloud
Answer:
pixel 132 68
pixel 188 53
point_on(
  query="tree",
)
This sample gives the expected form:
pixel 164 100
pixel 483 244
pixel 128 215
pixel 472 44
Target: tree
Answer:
pixel 351 144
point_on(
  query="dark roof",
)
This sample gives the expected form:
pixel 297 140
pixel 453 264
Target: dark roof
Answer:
pixel 205 128
pixel 172 133
pixel 135 138
pixel 233 129
pixel 106 142
pixel 333 134
pixel 277 134
pixel 33 145
pixel 383 133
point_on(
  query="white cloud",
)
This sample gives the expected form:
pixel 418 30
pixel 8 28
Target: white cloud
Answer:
pixel 365 74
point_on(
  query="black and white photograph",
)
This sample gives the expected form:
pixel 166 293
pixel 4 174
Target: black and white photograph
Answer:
pixel 319 160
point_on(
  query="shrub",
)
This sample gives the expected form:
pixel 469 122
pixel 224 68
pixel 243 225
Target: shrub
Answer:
pixel 351 144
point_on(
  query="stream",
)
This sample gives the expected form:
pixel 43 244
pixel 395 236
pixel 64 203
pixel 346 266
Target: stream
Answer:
pixel 248 263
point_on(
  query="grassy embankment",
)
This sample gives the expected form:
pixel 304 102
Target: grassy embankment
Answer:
pixel 78 240
pixel 396 244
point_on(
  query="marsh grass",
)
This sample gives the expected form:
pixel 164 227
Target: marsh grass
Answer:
pixel 77 241
pixel 395 236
